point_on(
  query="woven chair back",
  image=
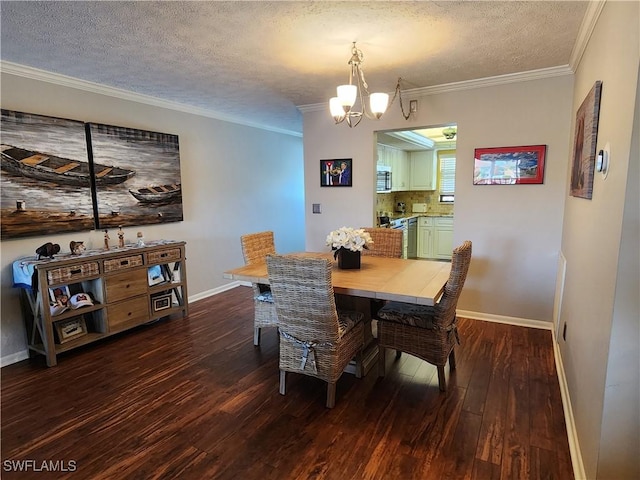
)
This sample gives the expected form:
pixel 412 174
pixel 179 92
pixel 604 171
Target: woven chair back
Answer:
pixel 303 294
pixel 387 242
pixel 446 308
pixel 256 246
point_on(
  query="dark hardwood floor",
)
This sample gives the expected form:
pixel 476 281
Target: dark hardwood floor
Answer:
pixel 194 399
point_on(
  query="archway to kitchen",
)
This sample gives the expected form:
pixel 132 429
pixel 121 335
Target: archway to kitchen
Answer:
pixel 415 188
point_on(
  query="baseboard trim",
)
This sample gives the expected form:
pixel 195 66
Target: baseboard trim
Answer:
pixel 14 358
pixel 572 434
pixel 569 420
pixel 215 291
pixel 520 322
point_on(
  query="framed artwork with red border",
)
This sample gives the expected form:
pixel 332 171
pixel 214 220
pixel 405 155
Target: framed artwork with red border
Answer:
pixel 509 165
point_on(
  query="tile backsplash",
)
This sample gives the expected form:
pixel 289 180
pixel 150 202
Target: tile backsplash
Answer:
pixel 386 202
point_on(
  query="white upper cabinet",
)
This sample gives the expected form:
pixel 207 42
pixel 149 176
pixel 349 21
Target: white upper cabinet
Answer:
pixel 423 173
pixel 398 160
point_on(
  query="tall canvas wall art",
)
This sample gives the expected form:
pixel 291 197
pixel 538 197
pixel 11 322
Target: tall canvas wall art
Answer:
pixel 45 186
pixel 62 175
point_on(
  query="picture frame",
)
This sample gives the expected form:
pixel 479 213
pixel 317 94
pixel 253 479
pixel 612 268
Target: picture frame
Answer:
pixel 155 276
pixel 336 172
pixel 161 302
pixel 70 329
pixel 584 149
pixel 509 165
pixel 60 295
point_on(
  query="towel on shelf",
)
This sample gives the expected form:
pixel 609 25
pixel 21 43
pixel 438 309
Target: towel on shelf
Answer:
pixel 23 272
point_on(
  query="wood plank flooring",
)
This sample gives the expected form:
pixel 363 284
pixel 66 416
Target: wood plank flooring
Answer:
pixel 194 399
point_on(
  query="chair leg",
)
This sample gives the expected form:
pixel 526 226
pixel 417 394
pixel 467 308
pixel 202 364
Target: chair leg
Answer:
pixel 331 395
pixel 256 336
pixel 452 359
pixel 283 381
pixel 381 360
pixel 442 382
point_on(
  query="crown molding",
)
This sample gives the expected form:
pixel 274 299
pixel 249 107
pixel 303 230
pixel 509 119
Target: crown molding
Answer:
pixel 24 71
pixel 468 84
pixel 594 8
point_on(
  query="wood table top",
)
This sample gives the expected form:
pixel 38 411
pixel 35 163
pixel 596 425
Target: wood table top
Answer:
pixel 404 280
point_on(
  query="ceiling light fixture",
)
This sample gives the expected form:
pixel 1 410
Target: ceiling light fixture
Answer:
pixel 342 106
pixel 449 133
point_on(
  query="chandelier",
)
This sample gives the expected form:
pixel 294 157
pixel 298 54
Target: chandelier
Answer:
pixel 343 107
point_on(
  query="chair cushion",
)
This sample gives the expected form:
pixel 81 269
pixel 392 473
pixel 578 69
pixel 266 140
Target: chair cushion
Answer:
pixel 408 314
pixel 348 319
pixel 265 296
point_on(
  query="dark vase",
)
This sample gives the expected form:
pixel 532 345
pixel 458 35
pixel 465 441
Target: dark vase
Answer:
pixel 348 259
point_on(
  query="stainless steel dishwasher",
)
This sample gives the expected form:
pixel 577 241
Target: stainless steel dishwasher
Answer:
pixel 412 237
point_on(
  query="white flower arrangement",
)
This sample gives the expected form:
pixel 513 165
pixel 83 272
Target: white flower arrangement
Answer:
pixel 354 239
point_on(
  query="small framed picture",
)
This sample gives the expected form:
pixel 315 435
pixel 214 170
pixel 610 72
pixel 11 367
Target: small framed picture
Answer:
pixel 70 329
pixel 155 275
pixel 161 302
pixel 60 296
pixel 509 165
pixel 336 173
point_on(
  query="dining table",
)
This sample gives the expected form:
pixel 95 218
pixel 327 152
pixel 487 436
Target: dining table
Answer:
pixel 415 281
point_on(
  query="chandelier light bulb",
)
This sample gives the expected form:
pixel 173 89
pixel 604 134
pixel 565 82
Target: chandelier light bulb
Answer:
pixel 335 106
pixel 379 103
pixel 347 95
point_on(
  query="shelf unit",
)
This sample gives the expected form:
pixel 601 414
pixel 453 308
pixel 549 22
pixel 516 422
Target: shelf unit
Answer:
pixel 129 286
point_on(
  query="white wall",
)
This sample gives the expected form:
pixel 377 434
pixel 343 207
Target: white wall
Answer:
pixel 515 229
pixel 592 241
pixel 235 179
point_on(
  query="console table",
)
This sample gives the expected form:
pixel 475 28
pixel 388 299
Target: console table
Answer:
pixel 118 289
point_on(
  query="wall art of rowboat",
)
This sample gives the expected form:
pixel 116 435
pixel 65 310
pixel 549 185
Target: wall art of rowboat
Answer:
pixel 158 193
pixel 59 170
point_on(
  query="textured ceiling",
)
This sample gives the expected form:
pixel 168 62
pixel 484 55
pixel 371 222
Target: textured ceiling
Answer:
pixel 257 61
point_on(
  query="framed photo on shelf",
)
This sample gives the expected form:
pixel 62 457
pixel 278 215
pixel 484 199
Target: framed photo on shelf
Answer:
pixel 336 173
pixel 509 165
pixel 161 302
pixel 155 275
pixel 70 329
pixel 60 296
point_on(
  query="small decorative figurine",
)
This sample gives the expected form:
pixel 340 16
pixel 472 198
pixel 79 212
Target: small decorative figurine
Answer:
pixel 77 248
pixel 106 239
pixel 120 237
pixel 140 239
pixel 47 250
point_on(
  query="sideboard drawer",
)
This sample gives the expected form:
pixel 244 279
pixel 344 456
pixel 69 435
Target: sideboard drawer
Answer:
pixel 128 313
pixel 122 263
pixel 164 256
pixel 126 284
pixel 73 272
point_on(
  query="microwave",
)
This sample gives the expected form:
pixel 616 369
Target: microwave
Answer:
pixel 383 179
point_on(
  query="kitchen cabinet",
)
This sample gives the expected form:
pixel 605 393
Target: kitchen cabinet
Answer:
pixel 398 161
pixel 423 175
pixel 435 237
pixel 443 238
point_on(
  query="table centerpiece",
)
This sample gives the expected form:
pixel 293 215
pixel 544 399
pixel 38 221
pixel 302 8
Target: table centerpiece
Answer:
pixel 348 244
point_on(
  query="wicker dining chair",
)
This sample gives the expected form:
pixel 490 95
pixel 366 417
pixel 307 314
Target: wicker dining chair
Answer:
pixel 427 332
pixel 387 242
pixel 255 248
pixel 315 338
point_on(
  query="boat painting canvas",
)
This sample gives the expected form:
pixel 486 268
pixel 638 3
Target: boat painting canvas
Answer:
pixel 154 194
pixel 45 184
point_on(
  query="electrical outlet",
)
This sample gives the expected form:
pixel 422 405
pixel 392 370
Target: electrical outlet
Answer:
pixel 316 208
pixel 413 106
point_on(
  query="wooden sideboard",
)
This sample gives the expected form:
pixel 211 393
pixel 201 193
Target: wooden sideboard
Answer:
pixel 127 286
